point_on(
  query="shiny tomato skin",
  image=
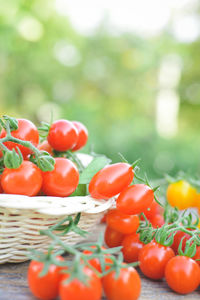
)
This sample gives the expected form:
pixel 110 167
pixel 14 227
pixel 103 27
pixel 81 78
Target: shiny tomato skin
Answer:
pixel 153 258
pixel 44 146
pixel 123 223
pixel 182 274
pixel 25 180
pixel 76 290
pixel 181 194
pixel 26 131
pixel 157 221
pixel 1 189
pixel 112 237
pixel 63 180
pixel 47 286
pixel 197 255
pixel 82 136
pixel 135 199
pixel 111 180
pixel 131 247
pixel 126 287
pixel 62 135
pixel 177 239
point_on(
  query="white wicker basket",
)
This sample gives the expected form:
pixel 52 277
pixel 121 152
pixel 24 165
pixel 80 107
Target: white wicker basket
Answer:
pixel 21 218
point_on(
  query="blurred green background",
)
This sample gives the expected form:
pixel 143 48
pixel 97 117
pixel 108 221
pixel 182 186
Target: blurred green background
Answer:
pixel 133 82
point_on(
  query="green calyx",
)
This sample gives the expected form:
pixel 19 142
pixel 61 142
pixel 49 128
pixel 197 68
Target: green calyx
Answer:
pixel 10 122
pixel 12 159
pixel 45 161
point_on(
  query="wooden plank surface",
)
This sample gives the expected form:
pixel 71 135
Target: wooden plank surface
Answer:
pixel 13 285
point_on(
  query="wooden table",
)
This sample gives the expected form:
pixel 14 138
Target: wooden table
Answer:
pixel 13 285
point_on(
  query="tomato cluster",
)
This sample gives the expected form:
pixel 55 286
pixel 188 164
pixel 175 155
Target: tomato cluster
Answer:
pixel 29 176
pixel 127 285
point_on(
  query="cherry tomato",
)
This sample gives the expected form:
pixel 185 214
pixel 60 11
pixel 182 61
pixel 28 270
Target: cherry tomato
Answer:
pixel 82 135
pixel 25 180
pixel 63 180
pixel 26 131
pixel 135 199
pixel 181 194
pixel 182 274
pixel 123 223
pixel 180 235
pixel 63 135
pixel 47 286
pixel 76 290
pixel 94 262
pixel 131 247
pixel 1 189
pixel 112 237
pixel 153 258
pixel 44 146
pixel 111 180
pixel 152 210
pixel 197 255
pixel 126 287
pixel 157 221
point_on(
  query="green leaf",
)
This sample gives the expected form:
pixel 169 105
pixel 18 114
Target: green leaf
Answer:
pixel 81 190
pixel 96 165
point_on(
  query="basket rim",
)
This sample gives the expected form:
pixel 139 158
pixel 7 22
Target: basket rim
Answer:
pixel 55 206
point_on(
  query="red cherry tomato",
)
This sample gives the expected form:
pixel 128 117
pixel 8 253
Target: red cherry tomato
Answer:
pixel 47 286
pixel 135 199
pixel 157 221
pixel 120 222
pixel 82 135
pixel 126 287
pixel 153 258
pixel 131 247
pixel 63 180
pixel 182 274
pixel 111 180
pixel 76 290
pixel 44 146
pixel 25 180
pixel 94 262
pixel 26 131
pixel 63 135
pixel 197 255
pixel 1 189
pixel 180 235
pixel 152 210
pixel 112 237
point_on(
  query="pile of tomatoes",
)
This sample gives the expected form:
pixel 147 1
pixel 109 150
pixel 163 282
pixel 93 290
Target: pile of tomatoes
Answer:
pixel 28 179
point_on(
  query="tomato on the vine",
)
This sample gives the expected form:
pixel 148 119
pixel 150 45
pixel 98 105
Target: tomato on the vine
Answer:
pixel 112 237
pixel 94 262
pixel 153 258
pixel 131 247
pixel 62 135
pixel 26 131
pixel 135 199
pixel 123 223
pixel 111 180
pixel 25 180
pixel 82 136
pixel 178 237
pixel 63 180
pixel 181 194
pixel 182 274
pixel 76 290
pixel 153 209
pixel 44 146
pixel 47 286
pixel 157 221
pixel 125 287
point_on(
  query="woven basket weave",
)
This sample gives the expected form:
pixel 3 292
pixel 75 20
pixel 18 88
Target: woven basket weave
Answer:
pixel 21 218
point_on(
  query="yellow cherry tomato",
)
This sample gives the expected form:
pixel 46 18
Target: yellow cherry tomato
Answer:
pixel 181 194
